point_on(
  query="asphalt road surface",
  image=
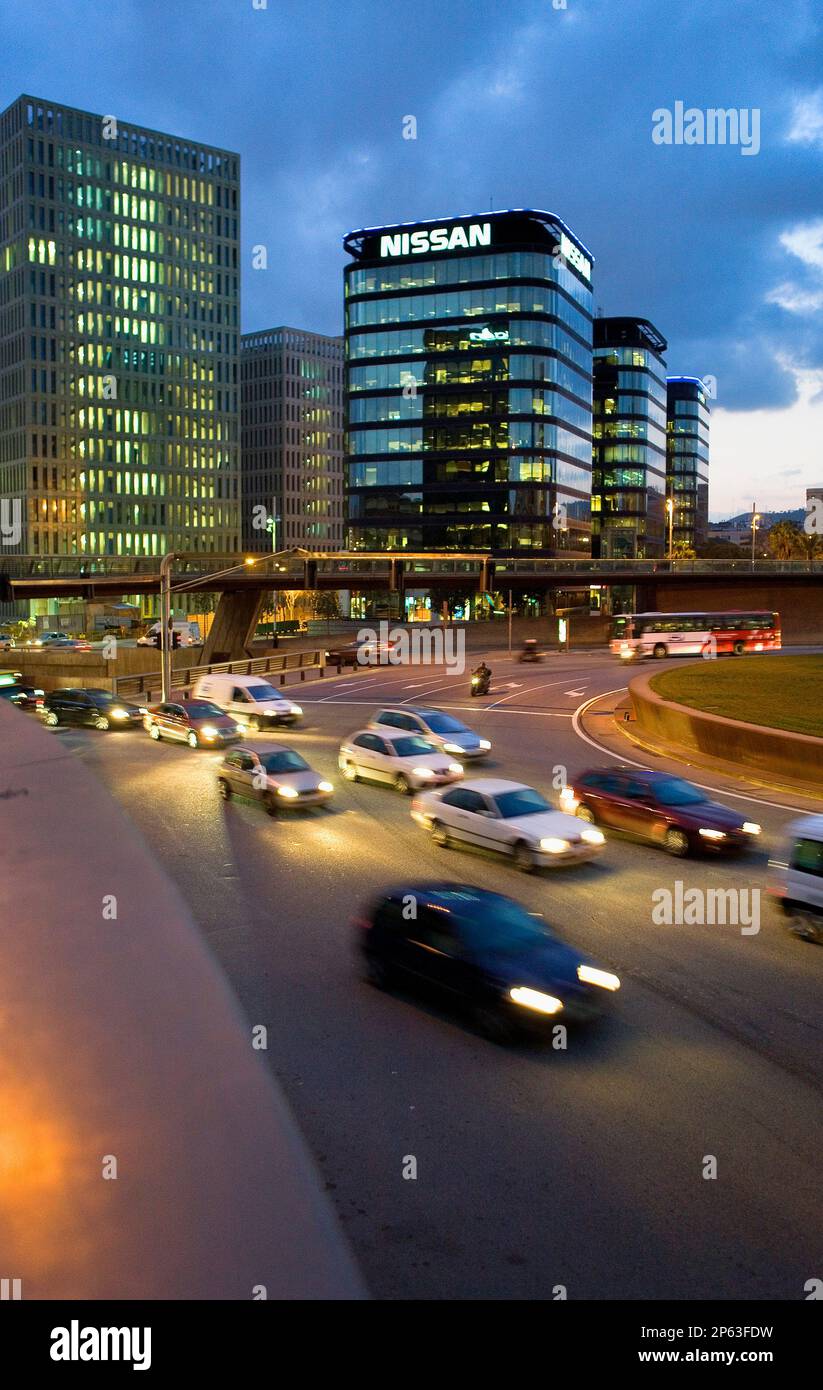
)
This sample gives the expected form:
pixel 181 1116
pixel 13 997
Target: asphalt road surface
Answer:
pixel 536 1168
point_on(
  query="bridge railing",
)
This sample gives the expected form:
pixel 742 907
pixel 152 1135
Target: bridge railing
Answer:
pixel 149 685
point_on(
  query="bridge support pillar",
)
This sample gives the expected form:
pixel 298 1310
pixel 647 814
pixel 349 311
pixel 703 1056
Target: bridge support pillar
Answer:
pixel 232 631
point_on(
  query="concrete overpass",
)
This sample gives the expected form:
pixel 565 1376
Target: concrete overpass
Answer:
pixel 792 587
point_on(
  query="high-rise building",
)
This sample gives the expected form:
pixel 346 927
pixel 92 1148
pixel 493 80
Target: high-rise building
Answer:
pixel 292 440
pixel 629 451
pixel 687 462
pixel 119 335
pixel 469 361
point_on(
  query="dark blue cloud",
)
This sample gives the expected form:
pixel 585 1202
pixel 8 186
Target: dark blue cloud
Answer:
pixel 523 105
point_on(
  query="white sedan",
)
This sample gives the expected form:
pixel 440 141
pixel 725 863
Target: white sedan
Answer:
pixel 406 761
pixel 507 817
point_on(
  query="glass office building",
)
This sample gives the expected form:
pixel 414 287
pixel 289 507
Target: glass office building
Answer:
pixel 119 335
pixel 629 452
pixel 687 464
pixel 469 370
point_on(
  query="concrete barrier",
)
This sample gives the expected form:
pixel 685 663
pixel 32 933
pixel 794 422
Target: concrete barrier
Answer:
pixel 797 757
pixel 145 1150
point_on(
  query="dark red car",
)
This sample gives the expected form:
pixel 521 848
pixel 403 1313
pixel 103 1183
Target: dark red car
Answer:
pixel 659 807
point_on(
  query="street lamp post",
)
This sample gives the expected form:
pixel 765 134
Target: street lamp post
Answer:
pixel 165 624
pixel 670 515
pixel 755 519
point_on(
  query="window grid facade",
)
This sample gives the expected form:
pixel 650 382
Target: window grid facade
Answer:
pixel 629 451
pixel 687 464
pixel 292 440
pixel 119 335
pixel 469 392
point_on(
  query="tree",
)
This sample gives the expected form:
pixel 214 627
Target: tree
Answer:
pixel 326 605
pixel 785 540
pixel 681 550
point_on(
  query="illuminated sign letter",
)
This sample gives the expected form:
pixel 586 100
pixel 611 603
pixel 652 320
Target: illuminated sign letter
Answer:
pixel 391 245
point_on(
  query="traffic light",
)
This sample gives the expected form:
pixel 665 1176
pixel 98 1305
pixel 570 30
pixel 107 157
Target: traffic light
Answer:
pixel 175 640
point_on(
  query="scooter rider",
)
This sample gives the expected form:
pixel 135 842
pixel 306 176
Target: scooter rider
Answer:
pixel 481 676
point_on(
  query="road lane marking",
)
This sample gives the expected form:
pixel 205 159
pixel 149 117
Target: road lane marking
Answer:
pixel 704 786
pixel 527 690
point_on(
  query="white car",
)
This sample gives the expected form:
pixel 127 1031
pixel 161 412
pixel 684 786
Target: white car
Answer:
pixel 275 775
pixel 406 761
pixel 443 730
pixel 510 818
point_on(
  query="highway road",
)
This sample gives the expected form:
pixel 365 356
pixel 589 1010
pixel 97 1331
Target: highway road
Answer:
pixel 537 1169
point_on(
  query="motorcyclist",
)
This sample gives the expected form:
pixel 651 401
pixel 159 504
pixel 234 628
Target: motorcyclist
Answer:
pixel 481 676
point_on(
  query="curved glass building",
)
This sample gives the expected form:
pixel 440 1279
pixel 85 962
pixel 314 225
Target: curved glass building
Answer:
pixel 688 458
pixel 629 476
pixel 469 371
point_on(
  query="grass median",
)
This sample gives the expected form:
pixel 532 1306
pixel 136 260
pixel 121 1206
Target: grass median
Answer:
pixel 780 692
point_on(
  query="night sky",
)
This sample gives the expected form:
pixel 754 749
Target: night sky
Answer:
pixel 517 105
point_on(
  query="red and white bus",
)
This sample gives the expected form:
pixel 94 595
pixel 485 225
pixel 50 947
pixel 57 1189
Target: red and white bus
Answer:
pixel 636 635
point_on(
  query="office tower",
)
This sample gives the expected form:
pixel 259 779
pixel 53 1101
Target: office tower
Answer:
pixel 119 335
pixel 291 440
pixel 629 451
pixel 469 361
pixel 687 465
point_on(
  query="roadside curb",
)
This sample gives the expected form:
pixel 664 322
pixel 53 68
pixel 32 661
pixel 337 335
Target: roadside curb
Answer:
pixel 614 734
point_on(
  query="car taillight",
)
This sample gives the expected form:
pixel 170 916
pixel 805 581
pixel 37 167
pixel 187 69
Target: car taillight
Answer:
pixel 361 923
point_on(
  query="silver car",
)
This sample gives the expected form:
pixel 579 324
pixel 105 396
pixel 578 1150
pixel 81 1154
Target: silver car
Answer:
pixel 448 734
pixel 273 774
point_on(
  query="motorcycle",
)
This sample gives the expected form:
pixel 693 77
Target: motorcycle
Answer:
pixel 481 681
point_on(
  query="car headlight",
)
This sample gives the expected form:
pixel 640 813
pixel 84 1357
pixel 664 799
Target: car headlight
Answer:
pixel 554 846
pixel 456 768
pixel 42 692
pixel 485 745
pixel 209 731
pixel 567 799
pixel 452 748
pixel 751 827
pixel 592 836
pixel 325 786
pixel 142 709
pixel 422 772
pixel 626 653
pixel 536 1000
pixel 603 978
pixel 297 709
pixel 119 713
pixel 713 834
pixel 242 728
pixel 287 791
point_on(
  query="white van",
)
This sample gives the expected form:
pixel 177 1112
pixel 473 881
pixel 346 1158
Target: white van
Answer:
pixel 188 635
pixel 799 887
pixel 249 699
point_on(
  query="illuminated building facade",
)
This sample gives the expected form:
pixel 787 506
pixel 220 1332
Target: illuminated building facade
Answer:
pixel 469 377
pixel 119 335
pixel 688 458
pixel 629 457
pixel 291 432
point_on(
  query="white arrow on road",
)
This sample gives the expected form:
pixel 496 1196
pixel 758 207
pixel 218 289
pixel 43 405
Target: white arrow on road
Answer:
pixel 575 692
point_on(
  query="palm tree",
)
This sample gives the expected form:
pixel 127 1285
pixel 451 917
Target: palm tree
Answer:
pixel 785 540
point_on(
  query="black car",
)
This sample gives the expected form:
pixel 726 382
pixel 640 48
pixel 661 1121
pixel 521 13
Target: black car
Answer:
pixel 485 952
pixel 23 696
pixel 98 709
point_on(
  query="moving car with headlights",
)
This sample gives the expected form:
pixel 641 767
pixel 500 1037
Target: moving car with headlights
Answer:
pixel 666 810
pixel 250 700
pixel 483 951
pixel 26 697
pixel 508 818
pixel 798 886
pixel 404 761
pixel 187 634
pixel 199 723
pixel 443 730
pixel 11 677
pixel 273 774
pixel 97 709
pixel 370 652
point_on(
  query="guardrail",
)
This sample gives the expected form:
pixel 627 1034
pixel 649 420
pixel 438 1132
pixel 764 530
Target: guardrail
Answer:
pixel 149 683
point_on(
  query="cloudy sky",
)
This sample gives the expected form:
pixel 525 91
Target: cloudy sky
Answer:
pixel 532 103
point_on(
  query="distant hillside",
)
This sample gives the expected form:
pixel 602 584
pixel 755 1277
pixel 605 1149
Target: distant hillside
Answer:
pixel 767 519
